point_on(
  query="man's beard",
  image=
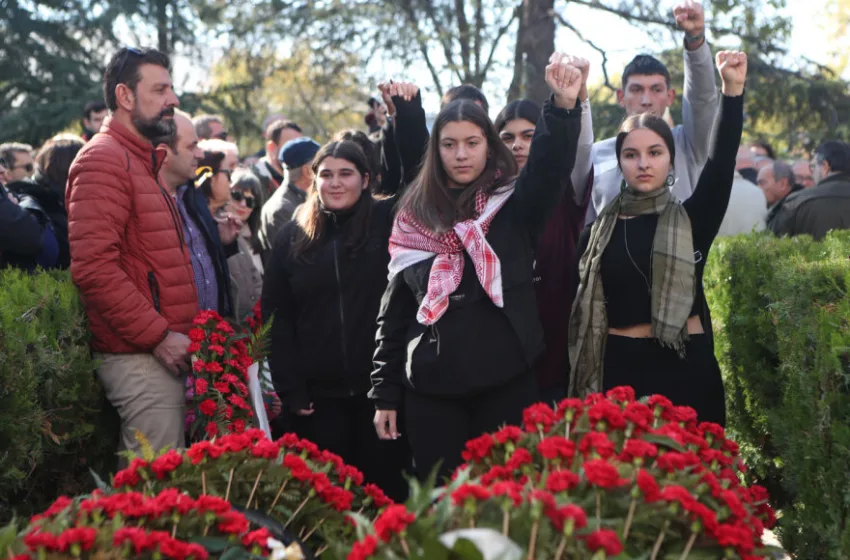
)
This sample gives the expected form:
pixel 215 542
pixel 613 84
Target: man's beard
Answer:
pixel 154 129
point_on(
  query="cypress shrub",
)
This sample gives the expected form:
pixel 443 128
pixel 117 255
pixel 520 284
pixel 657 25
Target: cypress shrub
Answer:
pixel 781 312
pixel 53 424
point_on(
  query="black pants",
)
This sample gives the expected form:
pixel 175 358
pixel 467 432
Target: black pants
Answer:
pixel 345 426
pixel 440 427
pixel 650 369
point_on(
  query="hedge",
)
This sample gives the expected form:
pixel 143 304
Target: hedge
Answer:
pixel 780 317
pixel 54 426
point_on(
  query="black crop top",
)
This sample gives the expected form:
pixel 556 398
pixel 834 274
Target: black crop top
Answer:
pixel 626 277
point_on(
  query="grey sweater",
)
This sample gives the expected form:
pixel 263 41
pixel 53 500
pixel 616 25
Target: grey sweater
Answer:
pixel 692 137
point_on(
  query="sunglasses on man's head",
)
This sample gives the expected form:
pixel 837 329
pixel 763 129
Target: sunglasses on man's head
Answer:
pixel 238 196
pixel 127 53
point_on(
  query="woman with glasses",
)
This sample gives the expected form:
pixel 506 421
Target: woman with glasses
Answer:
pixel 221 158
pixel 246 267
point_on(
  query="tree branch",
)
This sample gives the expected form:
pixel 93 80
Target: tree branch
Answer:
pixel 410 15
pixel 463 38
pixel 593 45
pixel 501 33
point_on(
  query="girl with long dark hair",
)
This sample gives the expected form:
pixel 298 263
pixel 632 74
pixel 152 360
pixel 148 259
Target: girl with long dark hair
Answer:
pixel 458 330
pixel 322 289
pixel 637 318
pixel 554 263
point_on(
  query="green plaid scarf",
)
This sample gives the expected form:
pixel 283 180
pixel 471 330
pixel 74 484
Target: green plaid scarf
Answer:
pixel 672 284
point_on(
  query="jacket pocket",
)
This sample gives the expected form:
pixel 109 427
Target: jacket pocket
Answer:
pixel 154 287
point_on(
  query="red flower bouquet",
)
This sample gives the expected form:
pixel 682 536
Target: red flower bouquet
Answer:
pixel 607 477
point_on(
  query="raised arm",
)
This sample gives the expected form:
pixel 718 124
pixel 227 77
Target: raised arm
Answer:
pixel 699 100
pixel 708 204
pixel 582 172
pixel 546 175
pixel 278 305
pixel 404 103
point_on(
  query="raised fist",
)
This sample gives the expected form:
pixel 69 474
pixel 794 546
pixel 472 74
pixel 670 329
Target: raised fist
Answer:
pixel 732 66
pixel 565 81
pixel 584 67
pixel 690 17
pixel 405 90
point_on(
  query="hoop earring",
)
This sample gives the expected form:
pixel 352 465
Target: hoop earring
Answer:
pixel 670 180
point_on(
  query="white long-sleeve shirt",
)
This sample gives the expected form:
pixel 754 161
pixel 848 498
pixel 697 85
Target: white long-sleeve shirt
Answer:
pixel 692 137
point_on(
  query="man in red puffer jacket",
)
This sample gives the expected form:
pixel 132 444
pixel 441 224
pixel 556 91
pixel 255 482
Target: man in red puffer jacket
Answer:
pixel 128 256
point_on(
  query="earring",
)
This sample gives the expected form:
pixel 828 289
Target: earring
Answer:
pixel 670 180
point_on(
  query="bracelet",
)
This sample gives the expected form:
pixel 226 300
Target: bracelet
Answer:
pixel 695 38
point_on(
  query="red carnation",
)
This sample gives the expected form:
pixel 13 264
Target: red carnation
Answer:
pixel 260 538
pixel 83 536
pixel 208 407
pixel 265 449
pixel 638 414
pixel 135 535
pixel 194 347
pixel 519 458
pixel 224 327
pixel 222 387
pixel 297 467
pixel 735 535
pixel 601 473
pixel 469 492
pixel 378 497
pixel 36 540
pixel 570 512
pixel 362 550
pixel 680 494
pixel 538 416
pixel 338 498
pixel 561 481
pixel 598 442
pixel 349 472
pixel 570 409
pixel 233 522
pixel 509 489
pixel 197 335
pixel 716 430
pixel 201 386
pixel 673 461
pixel 637 449
pixel 394 520
pixel 212 429
pixel 734 504
pixel 237 427
pixel 166 463
pixel 333 459
pixel 659 404
pixel 608 412
pixel 545 498
pixel 213 367
pixel 198 366
pixel 604 539
pixel 478 449
pixel 238 402
pixel 508 433
pixel 496 473
pixel 623 394
pixel 682 414
pixel 557 447
pixel 216 349
pixel 648 486
pixel 705 516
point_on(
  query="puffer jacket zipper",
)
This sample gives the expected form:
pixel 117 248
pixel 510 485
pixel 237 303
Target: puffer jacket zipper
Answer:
pixel 341 306
pixel 154 286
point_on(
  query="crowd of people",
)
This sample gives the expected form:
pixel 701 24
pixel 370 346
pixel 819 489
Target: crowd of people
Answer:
pixel 424 286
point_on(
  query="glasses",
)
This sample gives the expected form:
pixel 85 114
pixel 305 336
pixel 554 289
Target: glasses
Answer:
pixel 228 172
pixel 128 52
pixel 238 196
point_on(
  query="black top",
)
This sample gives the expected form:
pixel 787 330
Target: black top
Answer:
pixel 325 304
pixel 475 345
pixel 626 266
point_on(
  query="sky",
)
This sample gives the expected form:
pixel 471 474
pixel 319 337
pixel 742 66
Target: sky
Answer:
pixel 807 39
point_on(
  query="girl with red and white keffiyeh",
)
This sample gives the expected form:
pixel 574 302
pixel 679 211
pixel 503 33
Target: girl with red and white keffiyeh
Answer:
pixel 458 332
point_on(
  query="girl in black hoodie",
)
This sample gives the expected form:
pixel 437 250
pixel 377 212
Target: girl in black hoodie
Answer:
pixel 323 287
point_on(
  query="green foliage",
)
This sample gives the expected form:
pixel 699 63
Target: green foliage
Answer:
pixel 781 313
pixel 52 424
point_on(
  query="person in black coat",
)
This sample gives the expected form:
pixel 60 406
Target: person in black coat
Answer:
pixel 459 331
pixel 322 291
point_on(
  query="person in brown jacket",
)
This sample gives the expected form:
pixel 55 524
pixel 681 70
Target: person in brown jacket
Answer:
pixel 128 255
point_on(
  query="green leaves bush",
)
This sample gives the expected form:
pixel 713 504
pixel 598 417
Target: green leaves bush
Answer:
pixel 53 423
pixel 782 334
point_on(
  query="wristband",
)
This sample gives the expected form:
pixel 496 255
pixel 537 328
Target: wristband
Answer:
pixel 695 38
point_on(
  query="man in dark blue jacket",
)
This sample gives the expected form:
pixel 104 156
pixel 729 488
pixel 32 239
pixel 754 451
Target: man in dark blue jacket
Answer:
pixel 25 241
pixel 210 242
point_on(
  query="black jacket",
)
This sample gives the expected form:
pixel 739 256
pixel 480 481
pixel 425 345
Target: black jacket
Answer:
pixel 197 208
pixel 51 199
pixel 404 140
pixel 817 210
pixel 324 307
pixel 475 345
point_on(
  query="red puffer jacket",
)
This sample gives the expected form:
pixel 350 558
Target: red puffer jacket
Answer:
pixel 128 256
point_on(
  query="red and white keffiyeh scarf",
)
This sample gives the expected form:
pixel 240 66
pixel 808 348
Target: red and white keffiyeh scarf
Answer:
pixel 411 242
